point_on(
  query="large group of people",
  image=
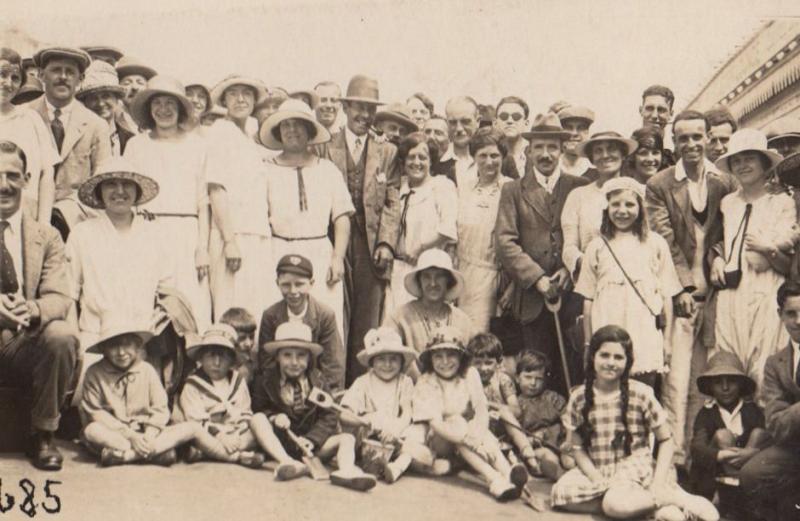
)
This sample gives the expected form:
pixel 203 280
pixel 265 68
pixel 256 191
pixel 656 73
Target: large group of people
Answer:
pixel 244 273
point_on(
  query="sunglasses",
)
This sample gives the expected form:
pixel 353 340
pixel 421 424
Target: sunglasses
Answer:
pixel 516 116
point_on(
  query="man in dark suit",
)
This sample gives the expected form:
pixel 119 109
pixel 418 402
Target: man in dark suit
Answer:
pixel 81 137
pixel 529 241
pixel 682 204
pixel 374 184
pixel 771 479
pixel 38 350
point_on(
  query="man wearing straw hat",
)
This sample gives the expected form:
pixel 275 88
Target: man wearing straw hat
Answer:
pixel 529 239
pixel 374 183
pixel 100 92
pixel 38 349
pixel 81 137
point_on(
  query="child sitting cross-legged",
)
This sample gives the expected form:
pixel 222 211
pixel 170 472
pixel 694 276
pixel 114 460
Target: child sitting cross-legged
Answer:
pixel 216 398
pixel 383 396
pixel 124 407
pixel 280 405
pixel 451 416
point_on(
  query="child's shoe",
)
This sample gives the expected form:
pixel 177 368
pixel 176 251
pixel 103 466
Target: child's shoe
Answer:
pixel 193 454
pixel 518 475
pixel 441 467
pixel 696 506
pixel 109 457
pixel 287 471
pixel 253 460
pixel 503 490
pixel 166 458
pixel 355 479
pixel 669 513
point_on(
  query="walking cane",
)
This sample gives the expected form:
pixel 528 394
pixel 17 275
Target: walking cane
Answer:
pixel 554 306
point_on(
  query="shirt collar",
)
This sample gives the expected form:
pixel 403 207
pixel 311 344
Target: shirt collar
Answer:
pixel 546 181
pixel 350 138
pixel 66 110
pixel 680 171
pixel 15 222
pixel 795 355
pixel 448 155
pixel 735 412
pixel 298 315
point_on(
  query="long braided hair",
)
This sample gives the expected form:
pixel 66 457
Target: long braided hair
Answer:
pixel 615 334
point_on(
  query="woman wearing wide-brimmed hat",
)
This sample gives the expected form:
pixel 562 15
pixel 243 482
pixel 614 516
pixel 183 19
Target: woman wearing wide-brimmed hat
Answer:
pixel 23 126
pixel 583 209
pixel 176 159
pixel 757 224
pixel 200 97
pixel 239 245
pixel 307 194
pixel 101 93
pixel 435 285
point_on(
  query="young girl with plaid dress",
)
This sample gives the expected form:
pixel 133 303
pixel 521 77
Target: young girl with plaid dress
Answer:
pixel 609 421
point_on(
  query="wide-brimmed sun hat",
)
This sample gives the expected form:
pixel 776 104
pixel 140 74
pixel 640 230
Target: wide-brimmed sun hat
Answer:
pixel 269 133
pixel 399 113
pixel 116 168
pixel 217 335
pixel 362 89
pixel 725 364
pixel 446 338
pixel 434 258
pixel 100 77
pixel 80 56
pixel 293 334
pixel 628 145
pixel 747 140
pixel 31 90
pixel 157 86
pixel 546 126
pixel 788 170
pixel 218 92
pixel 303 95
pixel 128 65
pixel 116 329
pixel 384 340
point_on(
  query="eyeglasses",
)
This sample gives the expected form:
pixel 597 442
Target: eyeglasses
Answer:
pixel 516 116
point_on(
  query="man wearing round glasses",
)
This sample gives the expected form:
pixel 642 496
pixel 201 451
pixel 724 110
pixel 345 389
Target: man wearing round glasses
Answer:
pixel 512 121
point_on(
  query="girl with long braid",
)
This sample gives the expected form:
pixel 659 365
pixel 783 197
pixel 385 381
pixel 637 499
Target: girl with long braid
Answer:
pixel 609 422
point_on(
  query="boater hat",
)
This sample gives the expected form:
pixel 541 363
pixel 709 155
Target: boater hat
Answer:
pixel 725 364
pixel 128 65
pixel 103 50
pixel 434 258
pixel 747 140
pixel 217 335
pixel 783 127
pixel 628 145
pixel 547 126
pixel 218 92
pixel 159 85
pixel 100 77
pixel 399 113
pixel 80 56
pixel 384 340
pixel 293 334
pixel 116 168
pixel 269 134
pixel 362 88
pixel 115 330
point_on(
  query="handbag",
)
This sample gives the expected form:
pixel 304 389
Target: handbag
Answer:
pixel 734 277
pixel 660 318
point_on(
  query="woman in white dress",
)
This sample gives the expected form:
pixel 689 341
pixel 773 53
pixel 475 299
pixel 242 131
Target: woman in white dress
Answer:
pixel 307 195
pixel 176 159
pixel 756 225
pixel 239 246
pixel 477 213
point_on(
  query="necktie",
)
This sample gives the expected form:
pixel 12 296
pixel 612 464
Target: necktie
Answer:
pixel 406 198
pixel 8 275
pixel 797 373
pixel 301 191
pixel 298 400
pixel 58 129
pixel 357 151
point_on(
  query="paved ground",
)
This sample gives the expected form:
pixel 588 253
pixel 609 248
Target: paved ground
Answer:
pixel 220 492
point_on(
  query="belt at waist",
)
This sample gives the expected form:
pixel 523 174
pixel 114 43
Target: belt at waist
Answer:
pixel 699 298
pixel 299 238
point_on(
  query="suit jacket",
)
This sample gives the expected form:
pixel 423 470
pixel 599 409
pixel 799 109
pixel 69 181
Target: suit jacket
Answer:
pixel 509 168
pixel 44 266
pixel 669 211
pixel 87 143
pixel 782 398
pixel 322 321
pixel 316 424
pixel 381 194
pixel 529 238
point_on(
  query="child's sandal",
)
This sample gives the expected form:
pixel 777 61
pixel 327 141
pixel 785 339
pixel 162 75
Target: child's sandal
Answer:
pixel 355 480
pixel 109 457
pixel 503 490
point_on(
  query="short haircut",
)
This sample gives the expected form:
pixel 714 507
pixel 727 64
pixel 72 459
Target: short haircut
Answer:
pixel 649 136
pixel 462 99
pixel 437 116
pixel 11 56
pixel 530 360
pixel 660 90
pixel 148 123
pixel 788 289
pixel 485 345
pixel 720 115
pixel 412 141
pixel 689 115
pixel 425 100
pixel 239 319
pixel 9 147
pixel 485 137
pixel 328 84
pixel 517 100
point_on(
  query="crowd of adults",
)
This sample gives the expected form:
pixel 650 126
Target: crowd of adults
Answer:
pixel 225 181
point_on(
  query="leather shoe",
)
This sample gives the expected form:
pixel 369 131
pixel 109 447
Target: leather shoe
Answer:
pixel 43 452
